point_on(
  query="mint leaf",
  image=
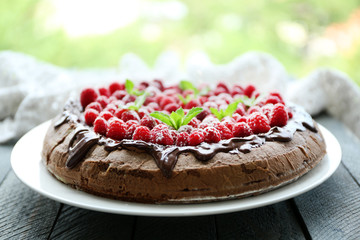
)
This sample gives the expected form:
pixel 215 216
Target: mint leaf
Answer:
pixel 229 111
pixel 138 102
pixel 191 114
pixel 129 87
pixel 177 119
pixel 250 101
pixel 162 117
pixel 185 100
pixel 186 85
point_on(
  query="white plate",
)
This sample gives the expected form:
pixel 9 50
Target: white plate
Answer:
pixel 27 165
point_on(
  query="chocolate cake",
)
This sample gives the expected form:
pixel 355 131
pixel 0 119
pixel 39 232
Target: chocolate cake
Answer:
pixel 180 144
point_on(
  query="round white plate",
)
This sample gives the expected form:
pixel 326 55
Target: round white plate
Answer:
pixel 27 165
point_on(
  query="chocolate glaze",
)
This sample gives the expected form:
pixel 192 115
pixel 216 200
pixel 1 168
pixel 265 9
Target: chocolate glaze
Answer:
pixel 166 157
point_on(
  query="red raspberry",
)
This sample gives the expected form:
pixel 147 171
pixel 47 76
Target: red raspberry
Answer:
pixel 143 86
pixel 290 114
pixel 229 124
pixel 211 135
pixel 130 129
pixel 87 96
pixel 203 114
pixel 278 116
pixel 116 86
pixel 225 132
pixel 172 107
pixel 248 91
pixel 242 119
pixel 158 83
pixel 94 105
pixel 116 130
pixel 182 139
pixel 195 138
pixel 241 129
pixel 278 95
pixel 142 133
pixel 104 92
pixel 131 122
pixel 258 123
pixel 119 94
pixel 240 110
pixel 90 116
pixel 266 109
pixel 165 100
pixel 174 134
pixel 192 103
pixel 160 134
pixel 100 126
pixel 237 90
pixel 203 99
pixel 148 121
pixel 194 122
pixel 143 112
pixel 119 112
pixel 186 128
pixel 223 86
pixel 103 101
pixel 130 115
pixel 106 115
pixel 253 109
pixel 129 99
pixel 111 108
pixel 273 100
pixel 154 106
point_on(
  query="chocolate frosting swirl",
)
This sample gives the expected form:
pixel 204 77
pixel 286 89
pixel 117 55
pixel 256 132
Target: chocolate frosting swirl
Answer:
pixel 166 157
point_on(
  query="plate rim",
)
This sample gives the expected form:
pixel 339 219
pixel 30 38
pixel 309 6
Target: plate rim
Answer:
pixel 170 210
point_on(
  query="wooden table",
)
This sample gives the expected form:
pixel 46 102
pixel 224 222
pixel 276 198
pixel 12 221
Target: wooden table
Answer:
pixel 330 211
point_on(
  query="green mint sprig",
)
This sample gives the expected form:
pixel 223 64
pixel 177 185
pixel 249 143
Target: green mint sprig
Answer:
pixel 185 100
pixel 186 85
pixel 138 102
pixel 249 102
pixel 178 118
pixel 229 111
pixel 129 87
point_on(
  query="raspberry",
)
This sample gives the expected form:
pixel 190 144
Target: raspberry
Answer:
pixel 119 94
pixel 203 114
pixel 142 133
pixel 211 135
pixel 203 99
pixel 111 108
pixel 104 92
pixel 116 86
pixel 160 134
pixel 116 130
pixel 192 103
pixel 172 107
pixel 143 86
pixel 225 132
pixel 266 109
pixel 173 134
pixel 129 99
pixel 241 129
pixel 258 123
pixel 103 101
pixel 94 105
pixel 278 116
pixel 119 112
pixel 165 100
pixel 194 122
pixel 130 129
pixel 90 116
pixel 195 138
pixel 248 91
pixel 106 115
pixel 158 83
pixel 143 112
pixel 253 109
pixel 290 114
pixel 131 122
pixel 223 86
pixel 242 119
pixel 273 100
pixel 148 121
pixel 100 126
pixel 186 128
pixel 229 124
pixel 182 139
pixel 240 110
pixel 87 96
pixel 237 90
pixel 278 95
pixel 130 115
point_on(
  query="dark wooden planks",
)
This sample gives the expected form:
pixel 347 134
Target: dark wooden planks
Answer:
pixel 332 210
pixel 24 214
pixel 5 152
pixel 350 144
pixel 277 221
pixel 175 228
pixel 76 223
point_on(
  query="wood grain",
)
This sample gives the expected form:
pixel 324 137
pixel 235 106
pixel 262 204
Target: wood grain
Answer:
pixel 76 223
pixel 175 228
pixel 5 152
pixel 276 221
pixel 24 214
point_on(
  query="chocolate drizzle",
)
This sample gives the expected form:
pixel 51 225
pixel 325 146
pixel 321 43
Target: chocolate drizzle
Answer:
pixel 166 157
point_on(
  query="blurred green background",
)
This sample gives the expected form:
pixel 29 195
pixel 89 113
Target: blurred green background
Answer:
pixel 303 35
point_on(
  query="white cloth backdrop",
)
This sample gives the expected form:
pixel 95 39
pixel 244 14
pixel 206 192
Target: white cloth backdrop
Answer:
pixel 32 91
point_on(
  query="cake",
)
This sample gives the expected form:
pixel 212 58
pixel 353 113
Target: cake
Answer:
pixel 152 143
